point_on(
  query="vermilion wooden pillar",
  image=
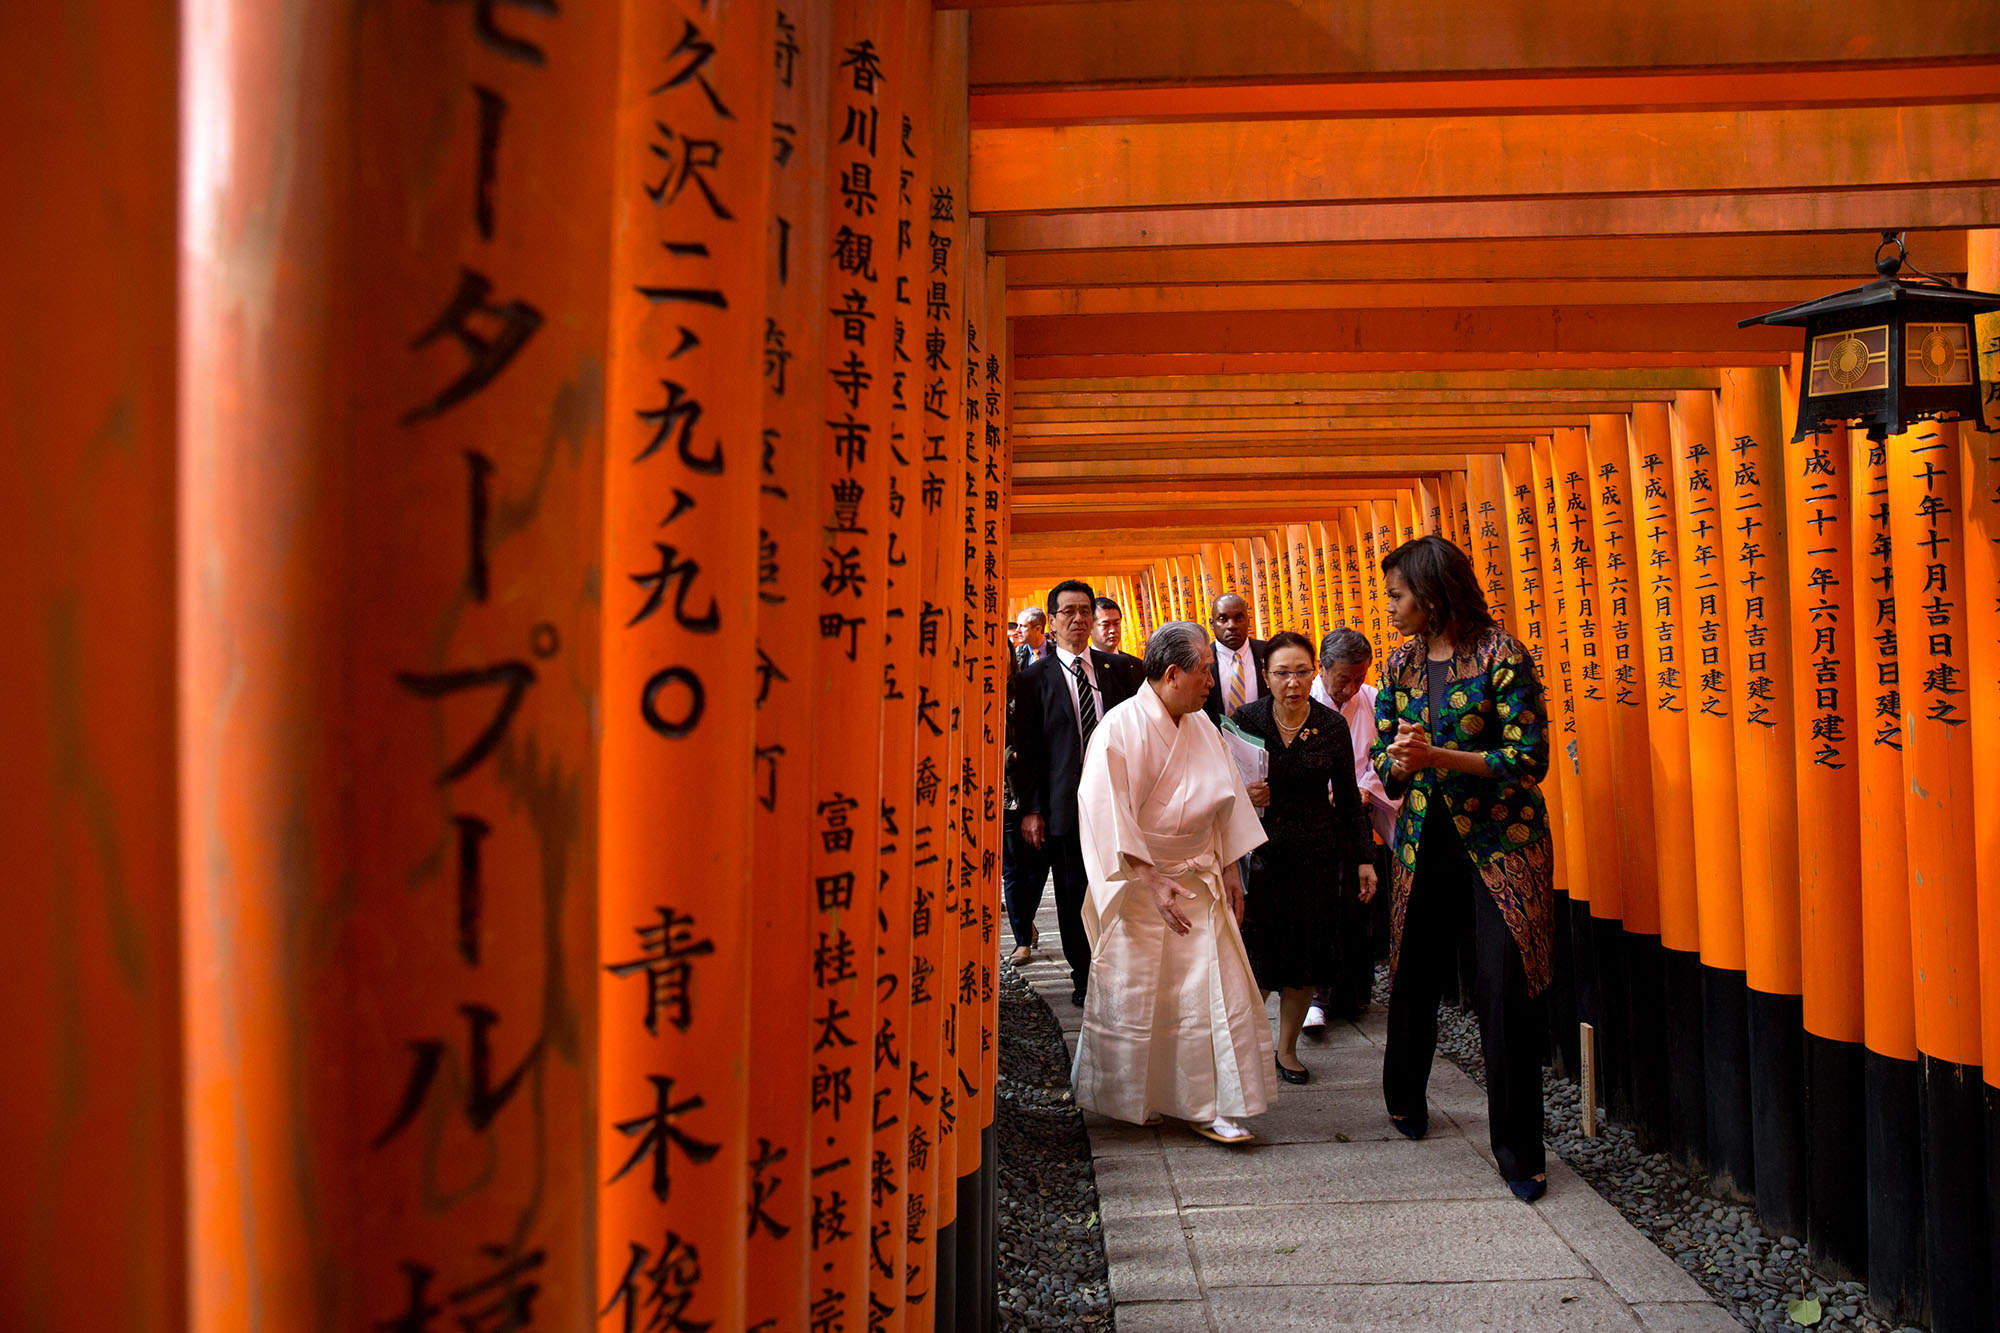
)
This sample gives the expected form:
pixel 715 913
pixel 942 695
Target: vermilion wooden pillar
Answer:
pixel 907 169
pixel 1620 586
pixel 1533 619
pixel 779 1211
pixel 1486 503
pixel 1818 482
pixel 1898 1282
pixel 1712 754
pixel 859 249
pixel 1757 586
pixel 1358 603
pixel 393 334
pixel 94 1230
pixel 1578 880
pixel 1664 673
pixel 685 415
pixel 1374 546
pixel 1593 786
pixel 1980 455
pixel 931 1178
pixel 1928 531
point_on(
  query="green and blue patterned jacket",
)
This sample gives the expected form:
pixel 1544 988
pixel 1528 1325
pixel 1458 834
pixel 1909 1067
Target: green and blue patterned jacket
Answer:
pixel 1493 704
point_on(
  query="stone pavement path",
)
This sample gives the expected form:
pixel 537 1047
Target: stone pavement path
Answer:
pixel 1332 1221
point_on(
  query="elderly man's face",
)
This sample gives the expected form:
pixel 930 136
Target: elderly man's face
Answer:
pixel 1031 631
pixel 1342 679
pixel 1230 619
pixel 1182 692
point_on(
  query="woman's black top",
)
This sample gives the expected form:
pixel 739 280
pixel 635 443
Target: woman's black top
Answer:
pixel 1294 897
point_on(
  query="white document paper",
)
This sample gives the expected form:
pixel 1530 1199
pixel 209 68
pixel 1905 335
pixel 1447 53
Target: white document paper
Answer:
pixel 1253 761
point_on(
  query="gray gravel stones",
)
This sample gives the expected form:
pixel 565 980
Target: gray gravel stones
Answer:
pixel 1752 1274
pixel 1052 1271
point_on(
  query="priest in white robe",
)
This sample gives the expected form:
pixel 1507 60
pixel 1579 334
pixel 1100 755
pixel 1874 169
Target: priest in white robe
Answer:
pixel 1174 1023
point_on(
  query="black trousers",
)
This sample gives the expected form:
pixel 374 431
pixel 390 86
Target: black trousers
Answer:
pixel 1450 908
pixel 1065 855
pixel 1024 872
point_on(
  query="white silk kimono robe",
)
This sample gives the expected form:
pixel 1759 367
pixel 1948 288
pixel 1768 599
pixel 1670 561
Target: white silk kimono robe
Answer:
pixel 1172 1024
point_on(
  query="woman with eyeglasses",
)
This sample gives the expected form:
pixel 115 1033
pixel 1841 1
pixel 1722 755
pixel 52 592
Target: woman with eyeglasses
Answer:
pixel 1292 903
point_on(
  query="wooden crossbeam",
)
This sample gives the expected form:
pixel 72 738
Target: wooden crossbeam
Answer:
pixel 1416 401
pixel 1505 330
pixel 1252 464
pixel 1541 96
pixel 1280 451
pixel 1228 416
pixel 1199 41
pixel 1319 423
pixel 1396 382
pixel 1832 209
pixel 1768 293
pixel 1835 256
pixel 1126 365
pixel 1215 163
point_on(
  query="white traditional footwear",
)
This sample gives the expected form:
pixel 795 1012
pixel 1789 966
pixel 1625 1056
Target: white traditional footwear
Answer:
pixel 1315 1018
pixel 1223 1130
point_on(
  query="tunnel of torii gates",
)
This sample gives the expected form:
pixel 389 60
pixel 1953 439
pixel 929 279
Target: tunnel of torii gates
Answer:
pixel 512 508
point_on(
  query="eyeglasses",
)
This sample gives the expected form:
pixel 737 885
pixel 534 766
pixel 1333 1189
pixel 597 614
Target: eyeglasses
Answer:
pixel 1071 612
pixel 1290 675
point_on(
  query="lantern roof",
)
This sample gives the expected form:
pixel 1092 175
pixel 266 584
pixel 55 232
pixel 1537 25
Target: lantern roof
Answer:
pixel 1883 291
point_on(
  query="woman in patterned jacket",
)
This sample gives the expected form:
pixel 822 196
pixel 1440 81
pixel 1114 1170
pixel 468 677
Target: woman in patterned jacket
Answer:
pixel 1459 734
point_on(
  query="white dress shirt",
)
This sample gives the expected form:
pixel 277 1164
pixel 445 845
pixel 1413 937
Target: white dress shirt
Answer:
pixel 1067 660
pixel 1247 660
pixel 1359 714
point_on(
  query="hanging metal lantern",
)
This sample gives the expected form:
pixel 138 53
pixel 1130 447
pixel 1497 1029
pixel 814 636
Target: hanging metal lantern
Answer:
pixel 1887 355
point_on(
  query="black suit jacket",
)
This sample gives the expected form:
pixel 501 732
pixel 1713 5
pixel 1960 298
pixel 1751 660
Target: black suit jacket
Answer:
pixel 1048 762
pixel 1260 652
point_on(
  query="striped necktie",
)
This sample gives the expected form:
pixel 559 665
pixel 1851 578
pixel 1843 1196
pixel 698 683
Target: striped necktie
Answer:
pixel 1086 702
pixel 1235 681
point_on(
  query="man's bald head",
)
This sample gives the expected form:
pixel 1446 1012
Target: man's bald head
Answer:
pixel 1229 618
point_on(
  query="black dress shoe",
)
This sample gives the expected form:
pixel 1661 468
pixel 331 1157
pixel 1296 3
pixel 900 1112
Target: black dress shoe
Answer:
pixel 1527 1191
pixel 1410 1127
pixel 1292 1075
pixel 1076 998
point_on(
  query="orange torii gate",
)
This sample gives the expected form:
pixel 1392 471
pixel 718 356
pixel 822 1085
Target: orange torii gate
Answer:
pixel 513 506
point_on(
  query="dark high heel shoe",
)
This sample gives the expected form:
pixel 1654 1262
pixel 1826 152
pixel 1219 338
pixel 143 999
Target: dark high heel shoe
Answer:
pixel 1410 1127
pixel 1292 1075
pixel 1527 1191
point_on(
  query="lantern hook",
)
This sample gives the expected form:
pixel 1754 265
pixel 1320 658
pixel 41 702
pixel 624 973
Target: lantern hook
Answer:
pixel 1889 266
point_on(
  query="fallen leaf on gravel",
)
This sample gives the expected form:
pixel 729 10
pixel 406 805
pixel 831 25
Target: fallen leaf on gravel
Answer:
pixel 1803 1312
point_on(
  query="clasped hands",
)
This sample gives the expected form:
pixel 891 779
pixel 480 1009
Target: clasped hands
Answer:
pixel 1410 751
pixel 1167 892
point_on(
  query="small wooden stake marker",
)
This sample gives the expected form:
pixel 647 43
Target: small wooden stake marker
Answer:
pixel 1587 1043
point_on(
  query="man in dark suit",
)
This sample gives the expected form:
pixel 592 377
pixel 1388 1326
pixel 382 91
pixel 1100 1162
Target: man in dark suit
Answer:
pixel 1060 699
pixel 1239 659
pixel 1107 627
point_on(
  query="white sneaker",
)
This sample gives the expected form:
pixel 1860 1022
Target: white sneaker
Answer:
pixel 1315 1018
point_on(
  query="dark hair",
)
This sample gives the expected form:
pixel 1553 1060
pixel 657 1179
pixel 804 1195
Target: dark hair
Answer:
pixel 1441 578
pixel 1286 638
pixel 1344 645
pixel 1070 585
pixel 1105 604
